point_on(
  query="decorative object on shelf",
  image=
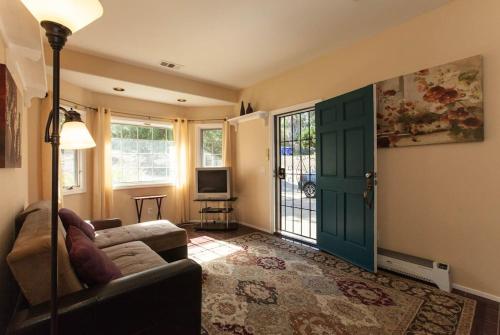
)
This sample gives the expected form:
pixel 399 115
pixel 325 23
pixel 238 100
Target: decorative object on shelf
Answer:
pixel 10 121
pixel 442 104
pixel 60 20
pixel 242 109
pixel 249 109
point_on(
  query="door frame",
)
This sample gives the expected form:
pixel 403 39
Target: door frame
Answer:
pixel 375 180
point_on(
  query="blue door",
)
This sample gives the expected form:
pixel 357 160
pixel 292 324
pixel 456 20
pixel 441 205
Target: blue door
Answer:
pixel 345 177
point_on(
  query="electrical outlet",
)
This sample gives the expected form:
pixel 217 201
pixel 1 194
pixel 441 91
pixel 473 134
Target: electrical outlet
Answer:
pixel 150 210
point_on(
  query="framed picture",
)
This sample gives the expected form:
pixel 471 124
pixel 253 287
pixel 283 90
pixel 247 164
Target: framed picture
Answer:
pixel 443 104
pixel 10 122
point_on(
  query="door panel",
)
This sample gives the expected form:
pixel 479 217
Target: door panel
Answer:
pixel 345 147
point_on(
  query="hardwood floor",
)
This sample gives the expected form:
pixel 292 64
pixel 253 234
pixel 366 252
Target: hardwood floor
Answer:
pixel 486 320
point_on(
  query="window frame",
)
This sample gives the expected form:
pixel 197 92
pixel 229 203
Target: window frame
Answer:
pixel 198 140
pixel 147 123
pixel 82 162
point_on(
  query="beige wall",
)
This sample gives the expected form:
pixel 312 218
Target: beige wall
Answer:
pixel 439 201
pixel 14 194
pixel 124 206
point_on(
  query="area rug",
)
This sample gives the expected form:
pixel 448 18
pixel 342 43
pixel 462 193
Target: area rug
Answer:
pixel 262 284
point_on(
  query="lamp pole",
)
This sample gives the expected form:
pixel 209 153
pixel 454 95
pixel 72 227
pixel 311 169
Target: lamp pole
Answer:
pixel 57 35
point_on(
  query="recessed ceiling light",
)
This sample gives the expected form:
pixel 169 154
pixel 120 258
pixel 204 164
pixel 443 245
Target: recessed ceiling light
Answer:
pixel 118 89
pixel 181 100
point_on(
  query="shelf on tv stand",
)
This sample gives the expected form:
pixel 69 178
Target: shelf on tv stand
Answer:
pixel 226 210
pixel 216 199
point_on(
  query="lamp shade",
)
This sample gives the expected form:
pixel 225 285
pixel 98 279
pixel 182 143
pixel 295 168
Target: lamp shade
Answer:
pixel 75 135
pixel 73 14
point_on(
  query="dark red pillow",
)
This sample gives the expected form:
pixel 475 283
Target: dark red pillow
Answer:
pixel 91 264
pixel 70 218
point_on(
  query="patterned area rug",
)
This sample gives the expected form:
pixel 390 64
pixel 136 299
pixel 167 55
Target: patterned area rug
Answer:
pixel 262 284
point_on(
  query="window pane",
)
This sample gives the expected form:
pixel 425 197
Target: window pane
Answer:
pixel 144 133
pixel 145 161
pixel 159 147
pixel 116 130
pixel 146 174
pixel 211 147
pixel 129 146
pixel 159 134
pixel 145 146
pixel 142 154
pixel 129 131
pixel 70 168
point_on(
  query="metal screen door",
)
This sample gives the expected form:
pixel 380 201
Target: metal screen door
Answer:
pixel 295 137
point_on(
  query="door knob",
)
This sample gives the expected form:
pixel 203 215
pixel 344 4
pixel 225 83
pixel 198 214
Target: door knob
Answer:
pixel 281 173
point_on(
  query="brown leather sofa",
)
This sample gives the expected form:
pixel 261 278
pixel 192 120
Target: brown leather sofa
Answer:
pixel 160 292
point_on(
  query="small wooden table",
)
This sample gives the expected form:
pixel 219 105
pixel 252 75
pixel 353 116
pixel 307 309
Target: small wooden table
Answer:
pixel 139 201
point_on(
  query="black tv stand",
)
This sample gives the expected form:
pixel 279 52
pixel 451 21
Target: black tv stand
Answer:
pixel 226 209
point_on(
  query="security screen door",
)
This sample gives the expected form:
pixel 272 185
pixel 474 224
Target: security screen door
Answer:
pixel 295 137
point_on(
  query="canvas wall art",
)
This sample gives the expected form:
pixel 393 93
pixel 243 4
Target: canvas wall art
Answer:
pixel 443 104
pixel 10 122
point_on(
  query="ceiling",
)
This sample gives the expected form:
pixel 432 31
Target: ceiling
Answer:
pixel 236 43
pixel 133 90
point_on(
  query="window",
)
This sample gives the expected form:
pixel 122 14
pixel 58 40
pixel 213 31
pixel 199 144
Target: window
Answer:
pixel 73 166
pixel 210 145
pixel 142 154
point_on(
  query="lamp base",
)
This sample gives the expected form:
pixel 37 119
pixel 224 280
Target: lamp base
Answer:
pixel 56 33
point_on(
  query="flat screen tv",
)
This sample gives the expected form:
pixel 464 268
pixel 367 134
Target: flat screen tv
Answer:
pixel 213 183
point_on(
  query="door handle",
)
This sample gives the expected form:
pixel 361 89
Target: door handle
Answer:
pixel 281 173
pixel 367 194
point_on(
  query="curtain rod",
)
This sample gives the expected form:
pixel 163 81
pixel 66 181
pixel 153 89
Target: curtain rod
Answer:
pixel 149 117
pixel 78 104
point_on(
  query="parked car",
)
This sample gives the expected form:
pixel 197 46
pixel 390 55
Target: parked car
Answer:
pixel 307 184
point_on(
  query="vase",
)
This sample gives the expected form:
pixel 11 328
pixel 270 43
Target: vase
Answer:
pixel 242 109
pixel 249 109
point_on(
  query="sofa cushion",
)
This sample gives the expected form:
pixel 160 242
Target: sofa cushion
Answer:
pixel 70 218
pixel 91 264
pixel 133 257
pixel 159 235
pixel 29 259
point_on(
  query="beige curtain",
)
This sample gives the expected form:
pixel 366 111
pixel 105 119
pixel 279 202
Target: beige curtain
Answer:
pixel 102 190
pixel 226 144
pixel 182 145
pixel 46 154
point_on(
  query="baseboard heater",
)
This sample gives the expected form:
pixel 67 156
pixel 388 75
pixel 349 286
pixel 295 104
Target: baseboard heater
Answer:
pixel 416 267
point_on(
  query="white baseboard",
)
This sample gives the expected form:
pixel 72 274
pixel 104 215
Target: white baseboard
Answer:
pixel 476 292
pixel 269 231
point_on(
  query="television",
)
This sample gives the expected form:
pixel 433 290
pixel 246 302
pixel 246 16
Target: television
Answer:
pixel 213 183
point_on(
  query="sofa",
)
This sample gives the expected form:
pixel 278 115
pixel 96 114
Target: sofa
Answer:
pixel 159 292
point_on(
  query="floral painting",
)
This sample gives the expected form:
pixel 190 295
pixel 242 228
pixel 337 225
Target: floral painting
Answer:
pixel 10 122
pixel 443 104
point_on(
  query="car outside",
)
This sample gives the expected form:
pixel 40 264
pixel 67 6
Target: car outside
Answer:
pixel 307 184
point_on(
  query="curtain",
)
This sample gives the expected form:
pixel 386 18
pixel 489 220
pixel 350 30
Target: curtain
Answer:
pixel 46 155
pixel 182 146
pixel 226 144
pixel 102 190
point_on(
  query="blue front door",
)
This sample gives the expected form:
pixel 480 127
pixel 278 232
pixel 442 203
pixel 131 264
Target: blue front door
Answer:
pixel 345 177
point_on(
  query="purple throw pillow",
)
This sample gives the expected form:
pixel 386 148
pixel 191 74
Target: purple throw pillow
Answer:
pixel 70 218
pixel 91 264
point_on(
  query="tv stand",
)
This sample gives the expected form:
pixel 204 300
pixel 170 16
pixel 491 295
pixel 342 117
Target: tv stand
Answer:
pixel 226 210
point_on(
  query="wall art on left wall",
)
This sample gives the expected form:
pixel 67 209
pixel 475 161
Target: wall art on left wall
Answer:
pixel 10 122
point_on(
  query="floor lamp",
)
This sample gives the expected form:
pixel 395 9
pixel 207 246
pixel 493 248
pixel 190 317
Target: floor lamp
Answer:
pixel 61 18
